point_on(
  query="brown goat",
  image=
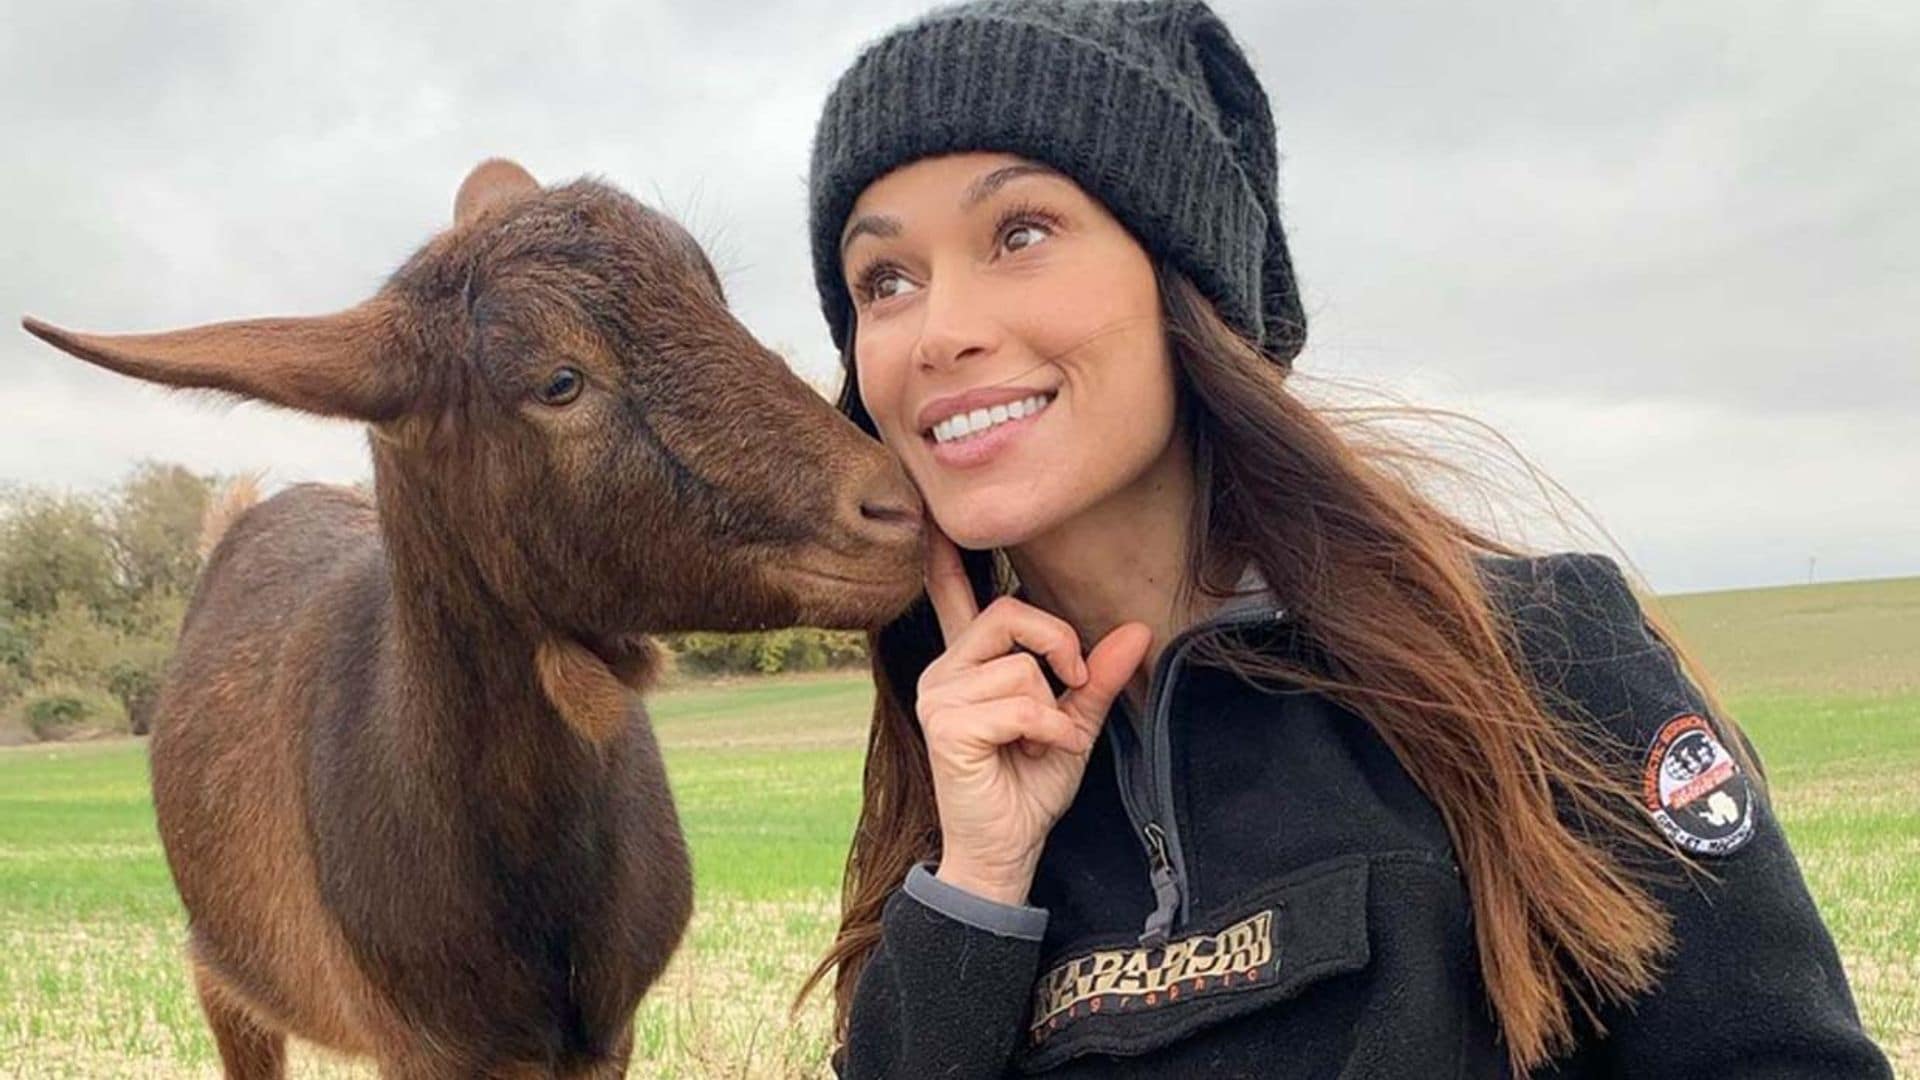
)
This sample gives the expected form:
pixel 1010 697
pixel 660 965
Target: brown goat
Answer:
pixel 411 804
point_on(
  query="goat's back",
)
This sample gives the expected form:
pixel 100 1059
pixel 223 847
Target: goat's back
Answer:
pixel 278 550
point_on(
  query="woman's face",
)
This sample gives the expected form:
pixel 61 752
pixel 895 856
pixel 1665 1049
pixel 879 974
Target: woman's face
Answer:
pixel 1009 343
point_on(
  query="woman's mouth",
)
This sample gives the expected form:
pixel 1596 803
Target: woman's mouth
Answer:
pixel 972 438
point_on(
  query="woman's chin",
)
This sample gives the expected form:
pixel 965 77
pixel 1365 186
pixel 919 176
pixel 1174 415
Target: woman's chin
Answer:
pixel 979 528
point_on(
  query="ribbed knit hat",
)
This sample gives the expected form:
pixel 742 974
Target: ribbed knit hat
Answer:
pixel 1149 105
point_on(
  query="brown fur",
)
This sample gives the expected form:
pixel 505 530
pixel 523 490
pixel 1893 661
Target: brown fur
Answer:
pixel 585 690
pixel 411 804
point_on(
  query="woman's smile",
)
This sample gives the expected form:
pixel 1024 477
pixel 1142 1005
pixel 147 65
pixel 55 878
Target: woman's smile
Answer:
pixel 973 437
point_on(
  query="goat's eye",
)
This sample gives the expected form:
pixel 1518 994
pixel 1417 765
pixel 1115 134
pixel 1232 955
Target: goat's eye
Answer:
pixel 562 386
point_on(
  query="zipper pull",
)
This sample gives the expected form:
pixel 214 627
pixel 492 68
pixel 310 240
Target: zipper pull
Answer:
pixel 1166 889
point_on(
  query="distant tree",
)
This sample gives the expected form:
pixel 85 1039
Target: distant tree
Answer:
pixel 154 522
pixel 72 645
pixel 92 590
pixel 141 653
pixel 16 647
pixel 15 643
pixel 54 545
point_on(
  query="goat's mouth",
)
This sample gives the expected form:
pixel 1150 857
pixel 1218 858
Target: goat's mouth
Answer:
pixel 846 597
pixel 844 581
pixel 847 583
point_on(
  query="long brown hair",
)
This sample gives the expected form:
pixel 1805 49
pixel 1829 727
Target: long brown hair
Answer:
pixel 1383 581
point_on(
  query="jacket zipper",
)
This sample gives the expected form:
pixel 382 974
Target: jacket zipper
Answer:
pixel 1151 811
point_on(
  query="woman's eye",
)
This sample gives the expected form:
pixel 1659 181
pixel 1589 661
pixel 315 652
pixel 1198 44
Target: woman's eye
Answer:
pixel 562 386
pixel 886 284
pixel 1021 237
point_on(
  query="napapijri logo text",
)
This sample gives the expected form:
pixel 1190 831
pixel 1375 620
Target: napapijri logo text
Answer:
pixel 1120 979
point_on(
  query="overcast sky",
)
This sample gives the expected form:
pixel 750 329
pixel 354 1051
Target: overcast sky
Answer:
pixel 1671 250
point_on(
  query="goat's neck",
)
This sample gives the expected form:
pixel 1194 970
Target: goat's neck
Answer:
pixel 462 664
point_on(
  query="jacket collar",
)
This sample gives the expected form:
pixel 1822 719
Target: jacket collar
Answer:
pixel 1250 593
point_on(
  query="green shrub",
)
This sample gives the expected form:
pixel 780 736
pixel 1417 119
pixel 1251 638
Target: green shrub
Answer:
pixel 16 647
pixel 766 652
pixel 136 686
pixel 16 644
pixel 64 712
pixel 126 657
pixel 141 653
pixel 72 645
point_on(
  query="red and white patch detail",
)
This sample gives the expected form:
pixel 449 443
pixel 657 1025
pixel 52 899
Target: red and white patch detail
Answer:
pixel 1695 789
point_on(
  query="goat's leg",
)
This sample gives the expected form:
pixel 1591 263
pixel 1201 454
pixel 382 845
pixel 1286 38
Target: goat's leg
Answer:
pixel 418 1065
pixel 248 1049
pixel 612 1067
pixel 615 1067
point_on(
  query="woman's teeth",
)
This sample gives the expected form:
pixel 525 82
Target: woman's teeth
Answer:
pixel 961 425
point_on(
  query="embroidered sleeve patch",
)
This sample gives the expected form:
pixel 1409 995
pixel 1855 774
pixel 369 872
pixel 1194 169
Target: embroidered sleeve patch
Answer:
pixel 1125 979
pixel 1695 790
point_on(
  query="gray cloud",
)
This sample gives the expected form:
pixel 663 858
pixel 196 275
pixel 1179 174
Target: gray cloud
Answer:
pixel 1671 249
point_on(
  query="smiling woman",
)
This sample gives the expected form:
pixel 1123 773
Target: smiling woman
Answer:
pixel 1012 272
pixel 1217 748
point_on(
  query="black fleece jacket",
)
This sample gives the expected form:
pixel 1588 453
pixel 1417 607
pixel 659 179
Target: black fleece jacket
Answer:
pixel 1248 884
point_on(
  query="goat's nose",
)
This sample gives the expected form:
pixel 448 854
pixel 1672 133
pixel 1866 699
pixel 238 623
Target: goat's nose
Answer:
pixel 885 508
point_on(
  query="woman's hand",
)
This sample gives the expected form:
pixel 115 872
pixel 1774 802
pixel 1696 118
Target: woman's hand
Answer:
pixel 1007 756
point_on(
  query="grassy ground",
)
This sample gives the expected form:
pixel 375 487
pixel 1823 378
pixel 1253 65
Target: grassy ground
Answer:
pixel 766 772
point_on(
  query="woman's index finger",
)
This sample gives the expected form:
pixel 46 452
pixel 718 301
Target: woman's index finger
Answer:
pixel 947 586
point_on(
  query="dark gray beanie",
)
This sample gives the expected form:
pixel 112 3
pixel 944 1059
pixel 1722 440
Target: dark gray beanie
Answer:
pixel 1149 105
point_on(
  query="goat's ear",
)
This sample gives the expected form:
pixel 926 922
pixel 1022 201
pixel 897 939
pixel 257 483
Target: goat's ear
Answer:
pixel 492 182
pixel 349 364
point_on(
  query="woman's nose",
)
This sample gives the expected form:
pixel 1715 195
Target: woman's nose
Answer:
pixel 955 324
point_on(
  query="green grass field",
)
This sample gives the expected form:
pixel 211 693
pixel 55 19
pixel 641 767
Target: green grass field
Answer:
pixel 766 773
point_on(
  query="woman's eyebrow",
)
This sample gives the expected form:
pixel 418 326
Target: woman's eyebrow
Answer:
pixel 998 178
pixel 869 225
pixel 883 226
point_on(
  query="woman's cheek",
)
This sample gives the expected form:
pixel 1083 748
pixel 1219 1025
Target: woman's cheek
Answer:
pixel 878 395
